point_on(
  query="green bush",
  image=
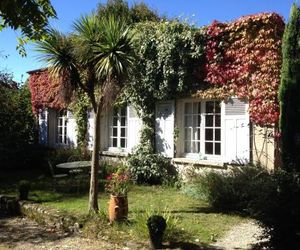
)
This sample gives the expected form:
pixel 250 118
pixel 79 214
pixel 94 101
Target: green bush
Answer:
pixel 230 192
pixel 151 169
pixel 61 155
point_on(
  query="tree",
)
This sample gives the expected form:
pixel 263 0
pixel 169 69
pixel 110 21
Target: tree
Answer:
pixel 139 12
pixel 97 57
pixel 30 16
pixel 289 92
pixel 17 124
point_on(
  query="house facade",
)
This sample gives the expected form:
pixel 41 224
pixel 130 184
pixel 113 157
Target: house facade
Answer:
pixel 234 123
pixel 187 130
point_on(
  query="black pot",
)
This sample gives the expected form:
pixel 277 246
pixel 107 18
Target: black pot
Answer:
pixel 156 240
pixel 23 194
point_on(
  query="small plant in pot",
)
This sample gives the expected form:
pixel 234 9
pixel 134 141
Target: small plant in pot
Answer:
pixel 118 185
pixel 156 225
pixel 23 187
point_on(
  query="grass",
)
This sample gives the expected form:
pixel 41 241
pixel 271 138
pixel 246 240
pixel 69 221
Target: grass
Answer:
pixel 189 219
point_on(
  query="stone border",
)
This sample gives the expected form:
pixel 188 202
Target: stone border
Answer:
pixel 11 206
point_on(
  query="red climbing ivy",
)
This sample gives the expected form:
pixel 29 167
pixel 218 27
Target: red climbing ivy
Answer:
pixel 46 91
pixel 245 56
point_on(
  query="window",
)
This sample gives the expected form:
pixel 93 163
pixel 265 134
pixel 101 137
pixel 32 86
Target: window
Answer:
pixel 202 128
pixel 212 128
pixel 192 127
pixel 62 127
pixel 118 128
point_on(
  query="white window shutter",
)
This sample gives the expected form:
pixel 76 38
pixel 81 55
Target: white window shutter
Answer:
pixel 164 128
pixel 71 130
pixel 43 126
pixel 133 129
pixel 237 132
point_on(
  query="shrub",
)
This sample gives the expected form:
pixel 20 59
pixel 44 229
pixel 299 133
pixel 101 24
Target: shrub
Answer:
pixel 271 198
pixel 151 169
pixel 231 191
pixel 277 208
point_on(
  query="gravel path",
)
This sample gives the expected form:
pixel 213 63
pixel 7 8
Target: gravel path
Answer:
pixel 242 236
pixel 22 233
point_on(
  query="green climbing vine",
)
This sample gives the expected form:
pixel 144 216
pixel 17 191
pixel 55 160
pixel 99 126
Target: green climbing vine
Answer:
pixel 80 110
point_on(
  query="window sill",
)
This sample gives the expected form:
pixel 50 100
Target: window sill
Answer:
pixel 114 153
pixel 199 163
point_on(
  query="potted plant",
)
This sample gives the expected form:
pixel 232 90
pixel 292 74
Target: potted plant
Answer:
pixel 23 187
pixel 156 225
pixel 118 185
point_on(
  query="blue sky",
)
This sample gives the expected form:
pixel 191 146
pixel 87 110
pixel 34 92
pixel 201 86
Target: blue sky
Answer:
pixel 201 12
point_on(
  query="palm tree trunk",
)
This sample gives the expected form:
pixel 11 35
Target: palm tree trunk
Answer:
pixel 93 197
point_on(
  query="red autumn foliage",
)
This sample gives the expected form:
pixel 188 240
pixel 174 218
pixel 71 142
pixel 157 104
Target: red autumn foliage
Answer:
pixel 46 91
pixel 245 55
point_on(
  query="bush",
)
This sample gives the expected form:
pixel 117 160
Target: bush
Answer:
pixel 151 169
pixel 61 155
pixel 230 191
pixel 271 198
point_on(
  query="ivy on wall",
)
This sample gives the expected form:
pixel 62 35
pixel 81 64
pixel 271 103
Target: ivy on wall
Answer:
pixel 47 92
pixel 245 56
pixel 241 58
pixel 169 54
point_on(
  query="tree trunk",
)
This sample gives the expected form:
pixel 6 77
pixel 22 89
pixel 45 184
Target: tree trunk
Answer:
pixel 93 198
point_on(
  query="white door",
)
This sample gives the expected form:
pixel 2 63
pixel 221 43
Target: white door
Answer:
pixel 237 132
pixel 164 128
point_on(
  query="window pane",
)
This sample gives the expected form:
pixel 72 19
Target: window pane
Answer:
pixel 123 143
pixel 217 107
pixel 217 148
pixel 115 132
pixel 188 121
pixel 209 120
pixel 115 142
pixel 195 147
pixel 123 132
pixel 209 107
pixel 217 121
pixel 188 108
pixel 196 107
pixel 208 148
pixel 115 121
pixel 198 134
pixel 217 134
pixel 59 130
pixel 123 112
pixel 208 134
pixel 187 134
pixel 115 112
pixel 60 139
pixel 60 122
pixel 187 147
pixel 123 121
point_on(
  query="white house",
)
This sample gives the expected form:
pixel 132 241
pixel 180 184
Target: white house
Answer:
pixel 189 131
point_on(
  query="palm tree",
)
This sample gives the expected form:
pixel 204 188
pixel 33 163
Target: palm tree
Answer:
pixel 97 57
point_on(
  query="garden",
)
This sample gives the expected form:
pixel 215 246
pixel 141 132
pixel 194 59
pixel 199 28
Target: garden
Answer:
pixel 141 60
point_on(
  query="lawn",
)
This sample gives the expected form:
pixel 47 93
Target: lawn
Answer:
pixel 189 219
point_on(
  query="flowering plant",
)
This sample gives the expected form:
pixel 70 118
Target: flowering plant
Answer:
pixel 118 183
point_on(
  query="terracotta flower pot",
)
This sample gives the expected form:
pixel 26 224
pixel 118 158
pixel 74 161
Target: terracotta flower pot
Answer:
pixel 118 208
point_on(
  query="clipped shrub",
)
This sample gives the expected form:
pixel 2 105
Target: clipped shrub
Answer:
pixel 151 169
